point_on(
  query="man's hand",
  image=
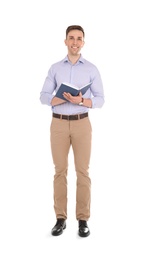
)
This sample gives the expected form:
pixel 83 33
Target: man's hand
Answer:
pixel 73 99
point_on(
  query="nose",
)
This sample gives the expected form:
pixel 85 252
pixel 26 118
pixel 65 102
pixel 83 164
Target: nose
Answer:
pixel 74 41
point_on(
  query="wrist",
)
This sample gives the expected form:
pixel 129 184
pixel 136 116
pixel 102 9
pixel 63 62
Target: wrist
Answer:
pixel 82 101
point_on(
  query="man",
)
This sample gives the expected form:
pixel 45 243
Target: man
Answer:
pixel 71 126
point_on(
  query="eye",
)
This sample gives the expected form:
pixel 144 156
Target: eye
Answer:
pixel 80 39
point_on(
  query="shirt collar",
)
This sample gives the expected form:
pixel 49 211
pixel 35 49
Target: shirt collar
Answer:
pixel 81 59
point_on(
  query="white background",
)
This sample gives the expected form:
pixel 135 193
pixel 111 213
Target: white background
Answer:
pixel 32 37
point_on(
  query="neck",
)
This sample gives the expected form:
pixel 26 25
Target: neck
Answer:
pixel 73 59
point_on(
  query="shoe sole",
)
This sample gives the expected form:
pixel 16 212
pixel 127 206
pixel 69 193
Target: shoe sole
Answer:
pixel 84 235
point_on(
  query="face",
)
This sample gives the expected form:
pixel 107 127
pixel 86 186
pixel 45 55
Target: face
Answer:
pixel 74 42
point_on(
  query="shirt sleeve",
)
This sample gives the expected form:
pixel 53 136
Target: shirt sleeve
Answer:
pixel 97 90
pixel 47 93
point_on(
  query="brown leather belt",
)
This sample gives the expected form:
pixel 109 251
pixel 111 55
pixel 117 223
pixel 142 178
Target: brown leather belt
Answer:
pixel 70 117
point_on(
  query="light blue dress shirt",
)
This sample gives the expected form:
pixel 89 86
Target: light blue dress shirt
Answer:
pixel 79 74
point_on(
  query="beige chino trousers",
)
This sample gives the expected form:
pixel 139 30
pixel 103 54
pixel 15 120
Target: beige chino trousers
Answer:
pixel 63 135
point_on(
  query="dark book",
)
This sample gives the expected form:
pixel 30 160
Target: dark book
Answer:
pixel 72 89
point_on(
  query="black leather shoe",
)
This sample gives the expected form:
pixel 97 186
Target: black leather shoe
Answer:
pixel 59 227
pixel 83 229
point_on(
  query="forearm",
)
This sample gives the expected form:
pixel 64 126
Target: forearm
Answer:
pixel 87 102
pixel 57 101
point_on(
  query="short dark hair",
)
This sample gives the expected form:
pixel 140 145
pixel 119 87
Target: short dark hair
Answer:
pixel 74 27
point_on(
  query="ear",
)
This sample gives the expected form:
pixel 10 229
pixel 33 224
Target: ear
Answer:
pixel 65 42
pixel 83 43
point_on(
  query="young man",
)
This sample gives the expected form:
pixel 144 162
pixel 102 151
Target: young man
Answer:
pixel 71 126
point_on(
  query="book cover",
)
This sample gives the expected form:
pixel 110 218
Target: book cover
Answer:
pixel 73 90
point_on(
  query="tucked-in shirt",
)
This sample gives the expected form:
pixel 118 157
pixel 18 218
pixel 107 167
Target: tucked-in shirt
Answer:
pixel 79 74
